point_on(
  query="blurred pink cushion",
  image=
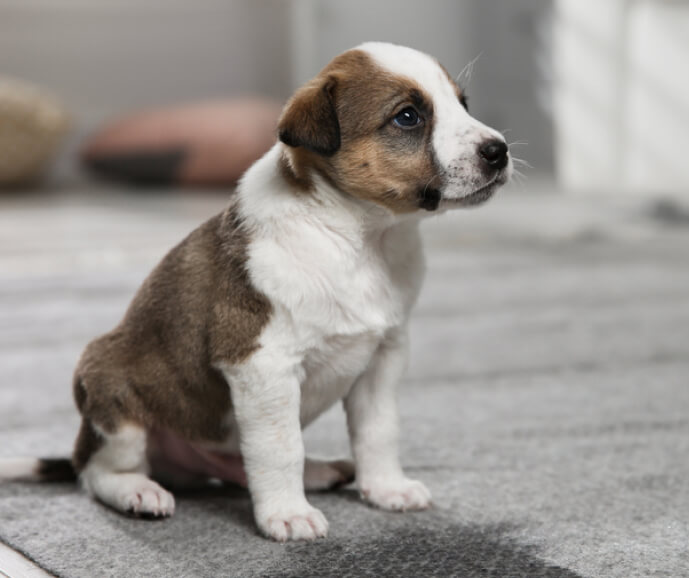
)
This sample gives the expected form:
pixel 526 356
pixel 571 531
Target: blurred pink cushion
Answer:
pixel 210 143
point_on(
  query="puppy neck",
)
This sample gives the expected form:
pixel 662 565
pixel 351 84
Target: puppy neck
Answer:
pixel 284 186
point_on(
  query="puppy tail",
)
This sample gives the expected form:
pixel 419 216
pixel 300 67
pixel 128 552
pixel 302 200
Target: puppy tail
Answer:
pixel 37 470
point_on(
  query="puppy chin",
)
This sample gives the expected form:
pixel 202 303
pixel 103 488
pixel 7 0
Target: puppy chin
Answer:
pixel 478 196
pixel 473 199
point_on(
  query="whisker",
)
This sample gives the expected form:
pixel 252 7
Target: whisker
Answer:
pixel 520 180
pixel 428 183
pixel 423 194
pixel 468 70
pixel 519 177
pixel 522 163
pixel 518 143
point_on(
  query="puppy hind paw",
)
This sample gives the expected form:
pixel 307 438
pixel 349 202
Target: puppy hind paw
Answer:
pixel 148 501
pixel 322 475
pixel 346 470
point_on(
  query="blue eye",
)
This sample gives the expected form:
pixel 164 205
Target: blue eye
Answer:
pixel 407 118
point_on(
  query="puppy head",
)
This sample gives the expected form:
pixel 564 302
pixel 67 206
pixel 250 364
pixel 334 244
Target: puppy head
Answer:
pixel 387 124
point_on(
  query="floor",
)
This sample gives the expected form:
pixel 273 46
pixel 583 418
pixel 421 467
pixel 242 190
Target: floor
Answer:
pixel 546 395
pixel 15 565
pixel 82 230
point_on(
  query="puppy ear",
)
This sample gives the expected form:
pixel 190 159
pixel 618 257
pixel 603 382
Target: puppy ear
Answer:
pixel 310 119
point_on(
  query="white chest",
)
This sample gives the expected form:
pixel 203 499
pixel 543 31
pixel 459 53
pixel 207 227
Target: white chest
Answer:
pixel 331 286
pixel 339 278
pixel 335 307
pixel 331 369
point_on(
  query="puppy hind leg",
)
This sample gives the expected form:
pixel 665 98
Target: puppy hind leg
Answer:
pixel 117 475
pixel 322 475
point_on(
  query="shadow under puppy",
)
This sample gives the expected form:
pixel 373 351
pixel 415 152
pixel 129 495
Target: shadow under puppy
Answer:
pixel 296 296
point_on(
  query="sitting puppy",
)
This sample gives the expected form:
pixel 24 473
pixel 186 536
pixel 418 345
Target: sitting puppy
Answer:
pixel 296 296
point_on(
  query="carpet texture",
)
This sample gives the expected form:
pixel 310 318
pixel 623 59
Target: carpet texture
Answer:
pixel 546 405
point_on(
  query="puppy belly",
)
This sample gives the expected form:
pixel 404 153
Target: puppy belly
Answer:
pixel 172 456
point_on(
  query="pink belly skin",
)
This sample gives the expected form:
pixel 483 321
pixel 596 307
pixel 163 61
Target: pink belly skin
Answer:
pixel 172 455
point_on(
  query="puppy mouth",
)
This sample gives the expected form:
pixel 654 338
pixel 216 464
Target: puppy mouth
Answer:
pixel 480 195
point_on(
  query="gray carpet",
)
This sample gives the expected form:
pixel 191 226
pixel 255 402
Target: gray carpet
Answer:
pixel 546 406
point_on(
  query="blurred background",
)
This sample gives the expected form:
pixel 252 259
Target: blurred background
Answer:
pixel 597 91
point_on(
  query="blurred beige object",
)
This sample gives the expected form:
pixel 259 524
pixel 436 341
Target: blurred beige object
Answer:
pixel 31 126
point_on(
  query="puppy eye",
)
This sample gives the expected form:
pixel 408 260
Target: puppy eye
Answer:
pixel 407 118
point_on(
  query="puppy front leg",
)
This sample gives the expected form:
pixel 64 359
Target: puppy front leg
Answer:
pixel 266 404
pixel 372 419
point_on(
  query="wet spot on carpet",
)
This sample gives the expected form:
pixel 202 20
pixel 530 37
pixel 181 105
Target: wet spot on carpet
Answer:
pixel 453 551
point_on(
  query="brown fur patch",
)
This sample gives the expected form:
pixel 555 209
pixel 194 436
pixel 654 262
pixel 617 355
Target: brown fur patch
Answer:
pixel 376 160
pixel 293 170
pixel 88 443
pixel 155 369
pixel 310 120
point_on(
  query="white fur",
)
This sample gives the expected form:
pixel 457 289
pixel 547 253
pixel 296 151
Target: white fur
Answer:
pixel 117 474
pixel 372 420
pixel 456 134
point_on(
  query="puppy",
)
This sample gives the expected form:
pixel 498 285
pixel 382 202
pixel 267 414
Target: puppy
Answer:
pixel 297 296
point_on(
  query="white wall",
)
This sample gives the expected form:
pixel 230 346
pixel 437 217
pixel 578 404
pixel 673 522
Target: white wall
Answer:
pixel 656 128
pixel 589 45
pixel 622 95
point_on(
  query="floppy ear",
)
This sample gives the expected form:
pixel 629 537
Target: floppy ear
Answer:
pixel 310 120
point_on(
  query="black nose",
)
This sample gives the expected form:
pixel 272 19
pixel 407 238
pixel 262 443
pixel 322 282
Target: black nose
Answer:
pixel 494 152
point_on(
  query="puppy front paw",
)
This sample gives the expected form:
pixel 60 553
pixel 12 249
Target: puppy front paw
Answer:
pixel 303 522
pixel 400 494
